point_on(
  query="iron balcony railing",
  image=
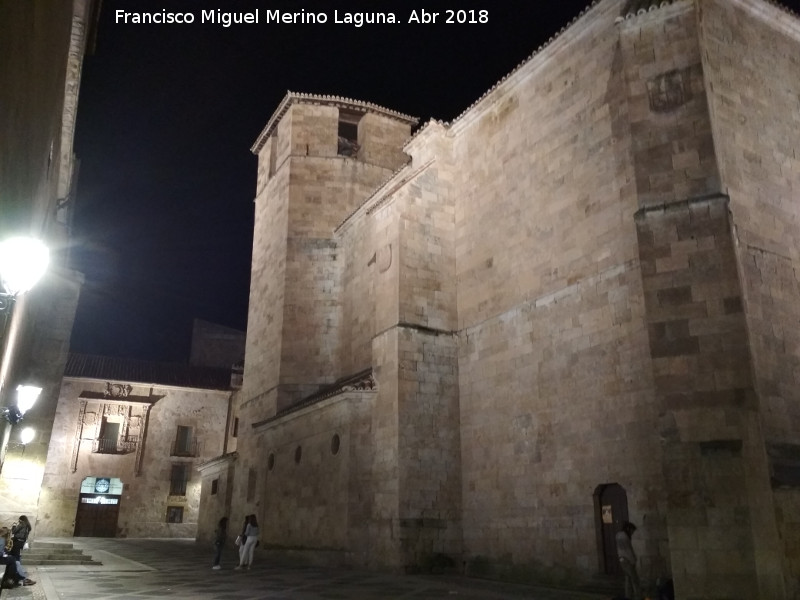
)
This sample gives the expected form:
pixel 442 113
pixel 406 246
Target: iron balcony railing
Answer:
pixel 115 446
pixel 188 448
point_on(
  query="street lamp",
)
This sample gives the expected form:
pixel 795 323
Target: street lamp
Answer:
pixel 26 397
pixel 23 261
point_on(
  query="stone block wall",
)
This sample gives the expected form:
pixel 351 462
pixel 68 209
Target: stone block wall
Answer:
pixel 367 260
pixel 554 376
pixel 381 141
pixel 427 257
pixel 301 278
pixel 41 353
pixel 319 453
pixel 554 297
pixel 714 460
pixel 670 127
pixel 752 68
pixel 751 53
pixel 429 452
pixel 267 289
pixel 217 504
pixel 556 400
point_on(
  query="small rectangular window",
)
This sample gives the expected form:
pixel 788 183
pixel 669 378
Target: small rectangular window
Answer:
pixel 214 486
pixel 184 444
pixel 179 475
pixel 348 133
pixel 235 427
pixel 174 514
pixel 251 485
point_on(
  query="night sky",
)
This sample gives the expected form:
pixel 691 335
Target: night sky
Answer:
pixel 167 116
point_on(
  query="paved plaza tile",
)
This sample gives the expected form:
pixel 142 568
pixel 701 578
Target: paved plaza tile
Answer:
pixel 135 569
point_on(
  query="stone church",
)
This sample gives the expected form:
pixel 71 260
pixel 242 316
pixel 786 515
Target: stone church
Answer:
pixel 484 344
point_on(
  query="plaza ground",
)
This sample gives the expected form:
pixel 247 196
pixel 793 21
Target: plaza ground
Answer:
pixel 181 569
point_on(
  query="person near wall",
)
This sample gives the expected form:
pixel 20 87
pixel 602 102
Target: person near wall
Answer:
pixel 242 538
pixel 627 561
pixel 250 537
pixel 11 577
pixel 219 541
pixel 20 532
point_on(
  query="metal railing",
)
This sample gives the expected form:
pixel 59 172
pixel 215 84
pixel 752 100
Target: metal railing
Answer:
pixel 188 448
pixel 115 446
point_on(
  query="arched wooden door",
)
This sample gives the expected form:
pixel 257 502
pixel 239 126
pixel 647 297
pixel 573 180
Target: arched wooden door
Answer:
pixel 611 510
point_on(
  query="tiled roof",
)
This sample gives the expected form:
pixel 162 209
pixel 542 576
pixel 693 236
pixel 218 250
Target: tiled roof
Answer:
pixel 148 372
pixel 297 98
pixel 637 7
pixel 633 8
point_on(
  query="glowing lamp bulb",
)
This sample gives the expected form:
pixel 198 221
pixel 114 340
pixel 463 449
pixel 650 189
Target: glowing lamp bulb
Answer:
pixel 27 396
pixel 26 435
pixel 23 261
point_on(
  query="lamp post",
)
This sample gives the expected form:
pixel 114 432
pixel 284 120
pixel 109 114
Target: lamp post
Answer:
pixel 23 261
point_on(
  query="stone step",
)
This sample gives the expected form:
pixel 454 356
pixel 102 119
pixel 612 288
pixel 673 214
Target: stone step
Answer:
pixel 41 550
pixel 55 554
pixel 37 544
pixel 60 562
pixel 31 558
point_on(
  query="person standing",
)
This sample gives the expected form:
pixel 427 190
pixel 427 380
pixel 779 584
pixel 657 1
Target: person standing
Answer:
pixel 627 561
pixel 241 539
pixel 219 541
pixel 20 532
pixel 251 539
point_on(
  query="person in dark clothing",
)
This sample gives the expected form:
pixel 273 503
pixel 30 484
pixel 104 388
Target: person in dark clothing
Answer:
pixel 11 577
pixel 19 537
pixel 627 561
pixel 219 541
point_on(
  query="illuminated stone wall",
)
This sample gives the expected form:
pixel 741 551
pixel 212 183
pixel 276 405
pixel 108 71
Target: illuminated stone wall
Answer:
pixel 588 280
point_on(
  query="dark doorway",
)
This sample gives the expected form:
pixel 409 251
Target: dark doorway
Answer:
pixel 97 516
pixel 611 510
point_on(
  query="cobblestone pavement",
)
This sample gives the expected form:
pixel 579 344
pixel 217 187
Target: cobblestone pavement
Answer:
pixel 136 569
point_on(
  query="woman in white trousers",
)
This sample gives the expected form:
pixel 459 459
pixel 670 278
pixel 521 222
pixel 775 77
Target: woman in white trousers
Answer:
pixel 246 549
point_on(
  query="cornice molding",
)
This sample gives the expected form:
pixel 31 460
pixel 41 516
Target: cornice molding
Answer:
pixel 324 100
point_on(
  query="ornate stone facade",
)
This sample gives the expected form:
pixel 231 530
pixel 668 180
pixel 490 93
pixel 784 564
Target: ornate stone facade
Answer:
pixel 578 303
pixel 145 439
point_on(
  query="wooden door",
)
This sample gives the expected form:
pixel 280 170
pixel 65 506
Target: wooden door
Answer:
pixel 612 510
pixel 96 520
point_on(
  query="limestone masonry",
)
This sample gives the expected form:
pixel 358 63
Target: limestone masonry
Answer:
pixel 484 345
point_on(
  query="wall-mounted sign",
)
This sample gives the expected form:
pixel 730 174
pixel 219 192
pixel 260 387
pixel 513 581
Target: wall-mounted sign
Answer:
pixel 608 517
pixel 102 485
pixel 100 500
